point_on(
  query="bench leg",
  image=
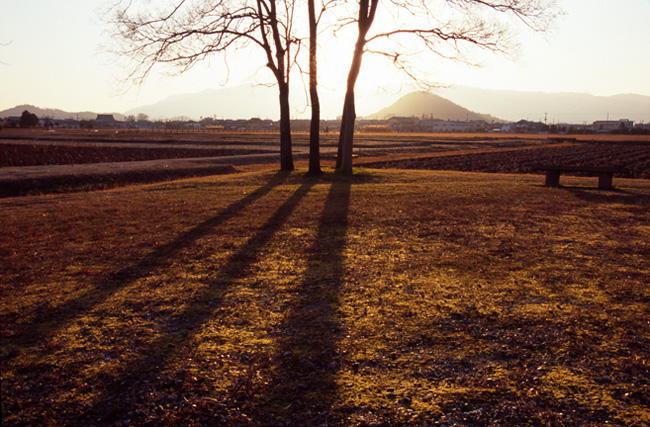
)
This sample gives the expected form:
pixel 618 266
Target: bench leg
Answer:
pixel 552 179
pixel 605 181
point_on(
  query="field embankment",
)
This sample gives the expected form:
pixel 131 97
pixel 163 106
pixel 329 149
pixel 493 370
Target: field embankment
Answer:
pixel 395 297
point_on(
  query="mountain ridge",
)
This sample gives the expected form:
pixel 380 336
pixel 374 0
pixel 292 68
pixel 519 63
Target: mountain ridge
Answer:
pixel 561 107
pixel 425 104
pixel 220 103
pixel 246 101
pixel 53 113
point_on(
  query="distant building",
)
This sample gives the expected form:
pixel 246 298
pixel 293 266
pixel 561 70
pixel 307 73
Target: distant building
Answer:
pixel 604 126
pixel 107 121
pixel 525 126
pixel 66 123
pixel 105 118
pixel 437 126
pixel 11 122
pixel 377 128
pixel 404 124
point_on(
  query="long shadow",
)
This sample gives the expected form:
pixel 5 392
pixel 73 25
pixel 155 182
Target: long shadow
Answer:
pixel 303 386
pixel 610 196
pixel 48 322
pixel 122 391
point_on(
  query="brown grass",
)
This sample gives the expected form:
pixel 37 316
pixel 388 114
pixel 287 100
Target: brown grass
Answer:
pixel 265 298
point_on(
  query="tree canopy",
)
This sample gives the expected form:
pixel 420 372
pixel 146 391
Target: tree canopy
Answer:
pixel 28 120
pixel 184 32
pixel 446 28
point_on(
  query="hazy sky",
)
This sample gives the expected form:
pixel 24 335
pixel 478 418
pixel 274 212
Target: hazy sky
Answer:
pixel 52 56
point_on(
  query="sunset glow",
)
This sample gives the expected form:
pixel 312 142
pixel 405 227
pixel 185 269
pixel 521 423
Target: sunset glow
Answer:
pixel 55 54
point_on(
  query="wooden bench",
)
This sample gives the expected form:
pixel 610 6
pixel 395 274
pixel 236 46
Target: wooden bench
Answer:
pixel 605 175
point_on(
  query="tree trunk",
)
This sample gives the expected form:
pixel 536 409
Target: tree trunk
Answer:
pixel 346 136
pixel 314 137
pixel 286 156
pixel 314 129
pixel 367 9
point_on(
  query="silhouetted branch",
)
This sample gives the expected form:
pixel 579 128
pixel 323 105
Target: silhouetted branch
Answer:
pixel 444 31
pixel 184 32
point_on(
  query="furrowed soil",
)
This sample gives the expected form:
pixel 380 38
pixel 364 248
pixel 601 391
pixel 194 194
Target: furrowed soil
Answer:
pixel 632 159
pixel 125 152
pixel 391 297
pixel 34 155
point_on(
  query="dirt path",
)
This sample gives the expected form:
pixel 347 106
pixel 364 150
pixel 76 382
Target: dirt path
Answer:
pixel 16 181
pixel 147 145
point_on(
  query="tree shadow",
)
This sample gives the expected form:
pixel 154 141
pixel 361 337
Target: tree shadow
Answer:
pixel 123 391
pixel 302 387
pixel 608 196
pixel 47 322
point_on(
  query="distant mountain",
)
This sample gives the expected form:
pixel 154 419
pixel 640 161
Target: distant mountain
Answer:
pixel 454 103
pixel 246 101
pixel 556 107
pixel 53 113
pixel 424 104
pixel 240 102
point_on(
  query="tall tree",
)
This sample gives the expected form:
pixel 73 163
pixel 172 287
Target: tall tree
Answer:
pixel 184 32
pixel 314 129
pixel 366 16
pixel 443 27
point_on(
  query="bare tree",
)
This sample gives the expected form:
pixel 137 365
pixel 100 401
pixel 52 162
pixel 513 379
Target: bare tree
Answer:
pixel 184 32
pixel 366 16
pixel 314 129
pixel 442 27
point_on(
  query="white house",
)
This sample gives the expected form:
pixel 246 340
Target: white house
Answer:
pixel 612 125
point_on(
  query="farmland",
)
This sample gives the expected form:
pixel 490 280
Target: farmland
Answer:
pixel 131 156
pixel 41 154
pixel 632 159
pixel 38 161
pixel 263 298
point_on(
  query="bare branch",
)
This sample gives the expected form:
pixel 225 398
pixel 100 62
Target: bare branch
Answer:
pixel 536 14
pixel 190 31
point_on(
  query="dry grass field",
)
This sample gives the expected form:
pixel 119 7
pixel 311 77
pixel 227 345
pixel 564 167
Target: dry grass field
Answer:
pixel 263 298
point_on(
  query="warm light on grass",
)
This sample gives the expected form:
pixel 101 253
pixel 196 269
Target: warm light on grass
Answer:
pixel 396 297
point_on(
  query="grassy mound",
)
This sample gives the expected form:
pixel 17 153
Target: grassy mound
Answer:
pixel 395 296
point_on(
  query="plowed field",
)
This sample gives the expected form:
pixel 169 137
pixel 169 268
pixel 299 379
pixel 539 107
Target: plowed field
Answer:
pixel 34 155
pixel 632 159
